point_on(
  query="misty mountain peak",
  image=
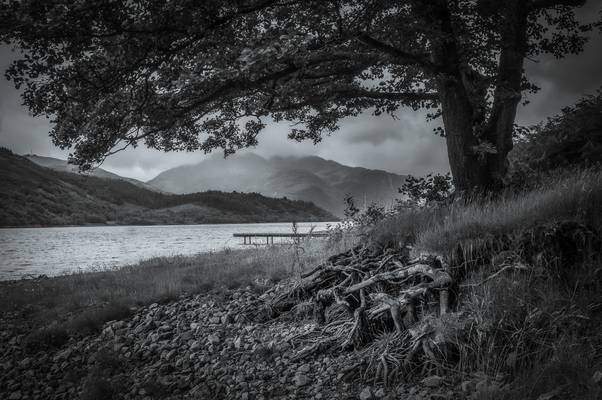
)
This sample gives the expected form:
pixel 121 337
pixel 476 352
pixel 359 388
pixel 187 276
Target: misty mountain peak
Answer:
pixel 310 178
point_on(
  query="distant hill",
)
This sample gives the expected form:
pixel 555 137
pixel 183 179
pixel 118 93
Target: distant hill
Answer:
pixel 57 164
pixel 32 195
pixel 323 182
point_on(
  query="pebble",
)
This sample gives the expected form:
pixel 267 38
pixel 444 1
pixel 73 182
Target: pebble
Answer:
pixel 433 381
pixel 366 393
pixel 301 379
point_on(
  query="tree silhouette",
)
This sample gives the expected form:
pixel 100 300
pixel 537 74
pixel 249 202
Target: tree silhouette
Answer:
pixel 187 75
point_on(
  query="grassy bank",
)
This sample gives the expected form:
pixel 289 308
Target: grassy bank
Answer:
pixel 79 303
pixel 528 270
pixel 564 195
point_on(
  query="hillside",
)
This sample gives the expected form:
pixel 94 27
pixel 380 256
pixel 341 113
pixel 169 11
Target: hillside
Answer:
pixel 35 196
pixel 59 165
pixel 323 182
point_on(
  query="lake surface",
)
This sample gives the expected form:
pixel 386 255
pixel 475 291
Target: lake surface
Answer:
pixel 55 251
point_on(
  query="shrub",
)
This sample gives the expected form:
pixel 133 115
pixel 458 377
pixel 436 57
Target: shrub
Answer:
pixel 428 191
pixel 102 383
pixel 92 320
pixel 571 139
pixel 98 388
pixel 53 336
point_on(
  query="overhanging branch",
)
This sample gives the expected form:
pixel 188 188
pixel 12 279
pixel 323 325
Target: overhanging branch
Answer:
pixel 539 4
pixel 398 96
pixel 357 93
pixel 402 57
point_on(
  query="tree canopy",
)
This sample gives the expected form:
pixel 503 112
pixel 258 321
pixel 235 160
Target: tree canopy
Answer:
pixel 188 75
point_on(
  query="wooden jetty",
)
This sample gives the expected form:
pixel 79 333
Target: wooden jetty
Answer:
pixel 269 236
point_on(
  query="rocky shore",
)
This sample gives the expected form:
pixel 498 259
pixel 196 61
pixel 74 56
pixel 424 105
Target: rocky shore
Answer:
pixel 193 348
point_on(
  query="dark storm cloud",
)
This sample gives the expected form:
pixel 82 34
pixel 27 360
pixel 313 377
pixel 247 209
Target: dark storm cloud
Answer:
pixel 402 145
pixel 565 81
pixel 562 82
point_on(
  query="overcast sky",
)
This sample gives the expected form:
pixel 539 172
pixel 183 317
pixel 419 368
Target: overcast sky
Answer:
pixel 404 145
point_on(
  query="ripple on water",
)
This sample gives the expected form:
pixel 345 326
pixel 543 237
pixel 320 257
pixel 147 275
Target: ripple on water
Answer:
pixel 55 251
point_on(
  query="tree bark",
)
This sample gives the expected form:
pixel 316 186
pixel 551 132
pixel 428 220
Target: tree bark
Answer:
pixel 457 109
pixel 474 166
pixel 507 89
pixel 467 170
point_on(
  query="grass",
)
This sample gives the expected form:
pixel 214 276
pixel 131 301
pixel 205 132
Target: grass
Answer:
pixel 537 330
pixel 80 303
pixel 566 195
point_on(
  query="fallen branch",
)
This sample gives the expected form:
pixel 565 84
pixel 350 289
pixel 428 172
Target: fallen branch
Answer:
pixel 521 267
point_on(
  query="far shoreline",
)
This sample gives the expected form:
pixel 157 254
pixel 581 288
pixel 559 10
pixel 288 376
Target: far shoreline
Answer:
pixel 118 225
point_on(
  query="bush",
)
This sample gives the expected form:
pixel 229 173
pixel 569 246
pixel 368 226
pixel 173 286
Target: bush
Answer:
pixel 98 388
pixel 54 336
pixel 428 191
pixel 571 139
pixel 92 320
pixel 102 383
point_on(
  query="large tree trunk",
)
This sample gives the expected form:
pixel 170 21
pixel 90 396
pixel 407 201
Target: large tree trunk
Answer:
pixel 507 89
pixel 478 147
pixel 469 172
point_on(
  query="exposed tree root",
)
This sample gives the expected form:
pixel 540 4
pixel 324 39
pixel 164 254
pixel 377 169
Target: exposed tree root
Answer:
pixel 397 313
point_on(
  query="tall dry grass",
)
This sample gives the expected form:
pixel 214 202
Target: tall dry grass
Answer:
pixel 83 301
pixel 565 195
pixel 527 332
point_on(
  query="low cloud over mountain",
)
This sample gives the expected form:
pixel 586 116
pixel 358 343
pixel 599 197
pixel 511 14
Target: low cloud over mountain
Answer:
pixel 323 182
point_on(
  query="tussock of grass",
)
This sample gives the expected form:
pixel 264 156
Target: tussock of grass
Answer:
pixel 575 196
pixel 566 195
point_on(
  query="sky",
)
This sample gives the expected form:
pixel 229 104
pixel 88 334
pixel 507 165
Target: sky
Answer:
pixel 404 145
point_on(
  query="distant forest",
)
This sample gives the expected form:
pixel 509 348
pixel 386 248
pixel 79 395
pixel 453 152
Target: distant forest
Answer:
pixel 35 196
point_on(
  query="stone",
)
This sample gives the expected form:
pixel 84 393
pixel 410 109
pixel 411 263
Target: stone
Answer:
pixel 597 377
pixel 15 396
pixel 554 394
pixel 213 339
pixel 119 325
pixel 300 380
pixel 195 346
pixel 366 393
pixel 482 386
pixel 467 386
pixel 380 393
pixel 25 363
pixel 304 368
pixel 433 381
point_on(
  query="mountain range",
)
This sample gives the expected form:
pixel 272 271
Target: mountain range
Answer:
pixel 59 165
pixel 323 182
pixel 32 195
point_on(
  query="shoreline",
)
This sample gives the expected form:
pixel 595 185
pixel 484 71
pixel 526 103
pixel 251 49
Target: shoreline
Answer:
pixel 159 224
pixel 30 252
pixel 186 345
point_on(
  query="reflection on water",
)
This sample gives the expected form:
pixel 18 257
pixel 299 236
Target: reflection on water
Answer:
pixel 55 251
